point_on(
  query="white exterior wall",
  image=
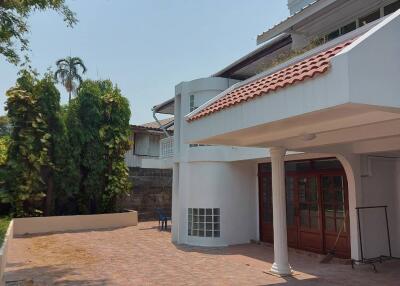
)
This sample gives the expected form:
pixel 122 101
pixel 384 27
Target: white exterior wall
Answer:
pixel 381 187
pixel 373 57
pixel 208 177
pixel 228 186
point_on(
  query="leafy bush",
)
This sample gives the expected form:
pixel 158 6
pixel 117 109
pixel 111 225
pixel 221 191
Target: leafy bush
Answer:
pixel 65 160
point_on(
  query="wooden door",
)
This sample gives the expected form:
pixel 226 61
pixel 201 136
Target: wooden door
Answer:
pixel 316 208
pixel 291 211
pixel 265 205
pixel 336 219
pixel 266 215
pixel 310 235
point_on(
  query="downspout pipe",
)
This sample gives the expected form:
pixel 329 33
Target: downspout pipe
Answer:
pixel 159 123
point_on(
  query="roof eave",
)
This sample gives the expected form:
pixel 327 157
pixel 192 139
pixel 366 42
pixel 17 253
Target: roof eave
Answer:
pixel 286 25
pixel 160 108
pixel 235 66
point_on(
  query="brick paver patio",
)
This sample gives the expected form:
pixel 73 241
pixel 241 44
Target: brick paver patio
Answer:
pixel 142 255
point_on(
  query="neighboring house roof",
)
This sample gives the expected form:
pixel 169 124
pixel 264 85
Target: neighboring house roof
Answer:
pixel 300 71
pixel 163 122
pixel 154 126
pixel 167 107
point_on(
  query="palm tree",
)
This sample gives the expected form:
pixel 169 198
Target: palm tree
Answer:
pixel 68 73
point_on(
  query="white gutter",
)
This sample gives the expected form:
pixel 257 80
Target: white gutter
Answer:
pixel 158 121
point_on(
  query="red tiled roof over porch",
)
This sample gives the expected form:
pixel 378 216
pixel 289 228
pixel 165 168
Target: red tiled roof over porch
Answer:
pixel 290 75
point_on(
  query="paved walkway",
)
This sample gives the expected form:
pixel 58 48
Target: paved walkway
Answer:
pixel 142 255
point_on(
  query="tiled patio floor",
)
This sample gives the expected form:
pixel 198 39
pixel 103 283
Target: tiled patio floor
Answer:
pixel 142 255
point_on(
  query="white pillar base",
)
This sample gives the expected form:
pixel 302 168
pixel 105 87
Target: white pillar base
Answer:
pixel 282 270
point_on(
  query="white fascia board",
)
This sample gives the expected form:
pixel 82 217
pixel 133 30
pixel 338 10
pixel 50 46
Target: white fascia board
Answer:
pixel 287 24
pixel 320 93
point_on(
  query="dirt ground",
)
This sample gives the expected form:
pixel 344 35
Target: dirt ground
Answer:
pixel 142 255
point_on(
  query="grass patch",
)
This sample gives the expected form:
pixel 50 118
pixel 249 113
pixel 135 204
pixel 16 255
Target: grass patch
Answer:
pixel 4 222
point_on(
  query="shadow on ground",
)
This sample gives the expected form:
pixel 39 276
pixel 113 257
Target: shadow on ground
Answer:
pixel 307 266
pixel 31 276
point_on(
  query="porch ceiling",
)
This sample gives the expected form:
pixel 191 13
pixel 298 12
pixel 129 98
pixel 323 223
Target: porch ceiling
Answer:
pixel 348 123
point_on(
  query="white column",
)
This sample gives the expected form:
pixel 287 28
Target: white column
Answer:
pixel 175 203
pixel 281 262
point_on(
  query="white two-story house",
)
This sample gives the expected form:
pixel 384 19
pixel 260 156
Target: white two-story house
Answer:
pixel 287 143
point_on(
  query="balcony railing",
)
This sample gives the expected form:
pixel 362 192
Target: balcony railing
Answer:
pixel 167 147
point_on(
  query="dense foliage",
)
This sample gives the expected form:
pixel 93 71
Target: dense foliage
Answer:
pixel 4 143
pixel 98 129
pixel 14 28
pixel 28 148
pixel 4 222
pixel 65 160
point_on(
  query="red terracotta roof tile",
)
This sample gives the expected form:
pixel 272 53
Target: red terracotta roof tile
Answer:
pixel 290 75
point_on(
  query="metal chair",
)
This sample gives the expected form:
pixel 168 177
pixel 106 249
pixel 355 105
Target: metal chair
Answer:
pixel 162 218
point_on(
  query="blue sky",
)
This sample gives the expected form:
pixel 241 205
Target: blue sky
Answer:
pixel 147 47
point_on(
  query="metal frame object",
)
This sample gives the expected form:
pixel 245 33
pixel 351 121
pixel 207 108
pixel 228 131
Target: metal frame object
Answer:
pixel 377 259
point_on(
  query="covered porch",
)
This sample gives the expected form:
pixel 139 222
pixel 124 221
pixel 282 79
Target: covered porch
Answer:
pixel 340 99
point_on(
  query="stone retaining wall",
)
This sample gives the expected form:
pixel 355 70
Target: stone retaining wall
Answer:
pixel 152 188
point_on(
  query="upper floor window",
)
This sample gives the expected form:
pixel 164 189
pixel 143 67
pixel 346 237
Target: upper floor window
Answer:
pixel 389 9
pixel 191 102
pixel 348 28
pixel 369 18
pixel 375 15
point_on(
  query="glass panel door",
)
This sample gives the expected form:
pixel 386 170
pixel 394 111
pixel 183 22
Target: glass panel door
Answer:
pixel 265 203
pixel 267 199
pixel 335 204
pixel 308 202
pixel 333 190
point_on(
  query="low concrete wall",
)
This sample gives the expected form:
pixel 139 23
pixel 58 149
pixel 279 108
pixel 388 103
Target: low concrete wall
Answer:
pixel 33 225
pixel 4 251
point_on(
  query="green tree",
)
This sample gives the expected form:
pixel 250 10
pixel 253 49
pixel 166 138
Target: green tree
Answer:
pixel 14 27
pixel 98 129
pixel 4 126
pixel 28 148
pixel 91 158
pixel 48 103
pixel 68 73
pixel 4 143
pixel 36 151
pixel 114 135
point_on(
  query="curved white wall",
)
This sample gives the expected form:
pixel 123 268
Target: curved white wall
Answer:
pixel 206 177
pixel 232 187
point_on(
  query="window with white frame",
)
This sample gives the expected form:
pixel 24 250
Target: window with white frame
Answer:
pixel 204 222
